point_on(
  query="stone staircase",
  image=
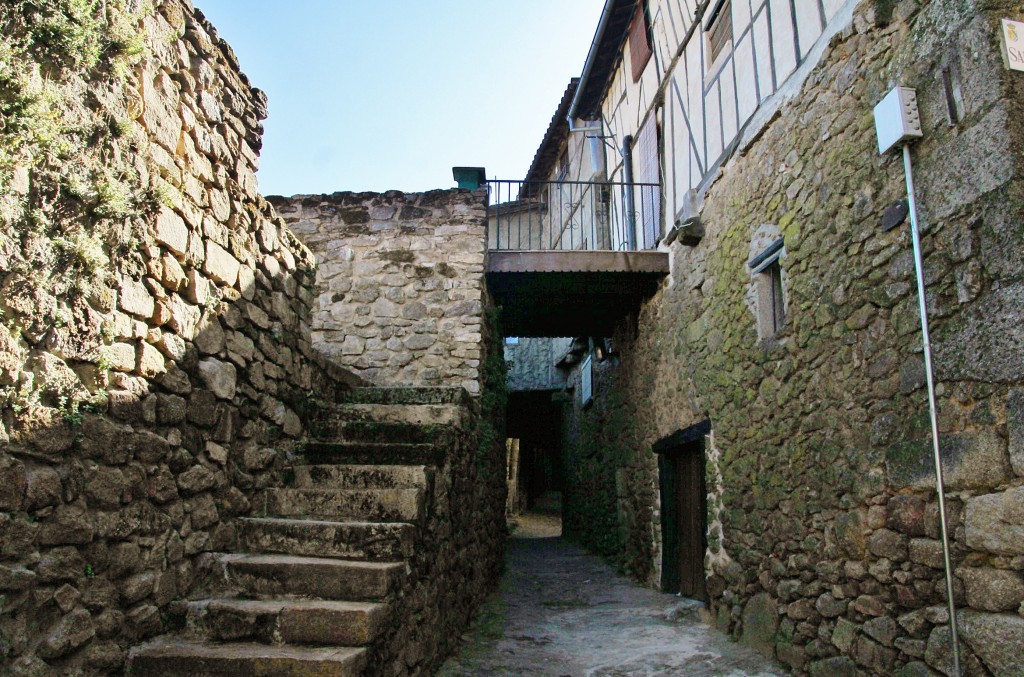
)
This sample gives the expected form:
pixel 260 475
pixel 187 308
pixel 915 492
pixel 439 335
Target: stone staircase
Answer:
pixel 317 583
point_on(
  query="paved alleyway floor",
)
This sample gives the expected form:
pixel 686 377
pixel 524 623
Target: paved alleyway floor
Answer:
pixel 562 612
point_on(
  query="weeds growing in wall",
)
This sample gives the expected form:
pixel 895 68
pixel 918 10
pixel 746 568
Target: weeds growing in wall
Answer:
pixel 73 180
pixel 70 195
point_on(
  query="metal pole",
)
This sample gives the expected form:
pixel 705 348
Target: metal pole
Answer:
pixel 940 487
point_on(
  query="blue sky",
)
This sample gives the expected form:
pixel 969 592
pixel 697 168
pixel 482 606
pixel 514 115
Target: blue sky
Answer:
pixel 379 95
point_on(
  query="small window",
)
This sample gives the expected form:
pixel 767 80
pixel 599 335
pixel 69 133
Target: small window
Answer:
pixel 766 268
pixel 639 42
pixel 562 166
pixel 587 380
pixel 775 306
pixel 719 32
pixel 512 340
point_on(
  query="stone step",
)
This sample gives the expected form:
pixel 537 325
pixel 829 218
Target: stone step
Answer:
pixel 274 575
pixel 365 505
pixel 363 476
pixel 370 541
pixel 292 621
pixel 416 414
pixel 339 430
pixel 374 453
pixel 405 395
pixel 169 657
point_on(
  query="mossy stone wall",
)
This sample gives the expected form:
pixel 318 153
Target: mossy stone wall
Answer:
pixel 823 530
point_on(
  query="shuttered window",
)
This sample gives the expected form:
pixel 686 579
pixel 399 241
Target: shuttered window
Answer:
pixel 719 32
pixel 647 169
pixel 639 42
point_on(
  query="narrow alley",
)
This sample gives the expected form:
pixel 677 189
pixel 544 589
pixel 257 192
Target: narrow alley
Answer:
pixel 562 612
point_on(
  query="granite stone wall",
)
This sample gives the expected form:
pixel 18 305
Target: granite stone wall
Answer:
pixel 155 352
pixel 531 363
pixel 823 532
pixel 400 282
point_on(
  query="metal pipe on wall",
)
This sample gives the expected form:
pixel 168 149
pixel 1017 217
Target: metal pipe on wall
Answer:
pixel 940 487
pixel 629 218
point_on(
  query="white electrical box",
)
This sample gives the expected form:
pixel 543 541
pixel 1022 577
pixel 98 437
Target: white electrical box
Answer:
pixel 897 119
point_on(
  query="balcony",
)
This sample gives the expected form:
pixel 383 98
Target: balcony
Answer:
pixel 572 258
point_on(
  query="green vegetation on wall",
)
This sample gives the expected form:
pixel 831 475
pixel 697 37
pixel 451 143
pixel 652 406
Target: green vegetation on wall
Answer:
pixel 69 202
pixel 74 186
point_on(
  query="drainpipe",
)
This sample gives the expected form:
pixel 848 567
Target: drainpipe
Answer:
pixel 897 122
pixel 606 14
pixel 627 180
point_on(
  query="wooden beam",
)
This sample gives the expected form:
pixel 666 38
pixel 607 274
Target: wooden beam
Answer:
pixel 577 262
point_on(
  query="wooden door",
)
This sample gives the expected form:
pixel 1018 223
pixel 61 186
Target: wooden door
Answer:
pixel 683 519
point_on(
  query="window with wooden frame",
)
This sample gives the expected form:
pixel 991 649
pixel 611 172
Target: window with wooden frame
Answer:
pixel 766 269
pixel 640 50
pixel 719 32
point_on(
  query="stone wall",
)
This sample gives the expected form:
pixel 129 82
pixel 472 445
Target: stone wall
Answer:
pixel 400 282
pixel 155 353
pixel 823 530
pixel 531 363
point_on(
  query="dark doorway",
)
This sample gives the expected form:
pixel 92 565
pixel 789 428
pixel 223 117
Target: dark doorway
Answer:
pixel 683 511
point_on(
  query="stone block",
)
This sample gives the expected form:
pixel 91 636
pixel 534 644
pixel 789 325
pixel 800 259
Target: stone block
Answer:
pixel 219 377
pixel 997 640
pixel 118 356
pixel 969 460
pixel 42 488
pixel 1015 429
pixel 171 231
pixel 760 624
pixel 104 487
pixel 150 362
pixel 70 633
pixel 883 629
pixel 927 551
pixel 838 666
pixel 889 544
pixel 13 483
pixel 906 514
pixel 135 299
pixel 220 265
pixel 983 343
pixel 992 589
pixel 995 522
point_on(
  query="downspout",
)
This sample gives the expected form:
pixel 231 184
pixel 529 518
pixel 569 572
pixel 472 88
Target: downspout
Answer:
pixel 627 180
pixel 602 25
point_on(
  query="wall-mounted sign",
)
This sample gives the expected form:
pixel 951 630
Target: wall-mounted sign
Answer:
pixel 1013 44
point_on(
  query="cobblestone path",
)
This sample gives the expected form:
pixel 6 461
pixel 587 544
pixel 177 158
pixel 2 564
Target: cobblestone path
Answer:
pixel 563 612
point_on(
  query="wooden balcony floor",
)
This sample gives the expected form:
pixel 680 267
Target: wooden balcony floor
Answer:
pixel 571 293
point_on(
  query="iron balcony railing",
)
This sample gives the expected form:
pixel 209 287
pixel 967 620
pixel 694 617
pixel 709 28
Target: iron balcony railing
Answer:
pixel 580 215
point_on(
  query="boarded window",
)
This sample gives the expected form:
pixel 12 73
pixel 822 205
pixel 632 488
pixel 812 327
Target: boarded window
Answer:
pixel 639 42
pixel 719 32
pixel 647 170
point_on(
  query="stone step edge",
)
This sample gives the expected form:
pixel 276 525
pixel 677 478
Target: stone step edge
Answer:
pixel 175 656
pixel 373 453
pixel 391 538
pixel 365 620
pixel 266 576
pixel 304 475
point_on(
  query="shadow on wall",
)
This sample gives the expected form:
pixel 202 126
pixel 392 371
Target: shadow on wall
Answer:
pixel 131 437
